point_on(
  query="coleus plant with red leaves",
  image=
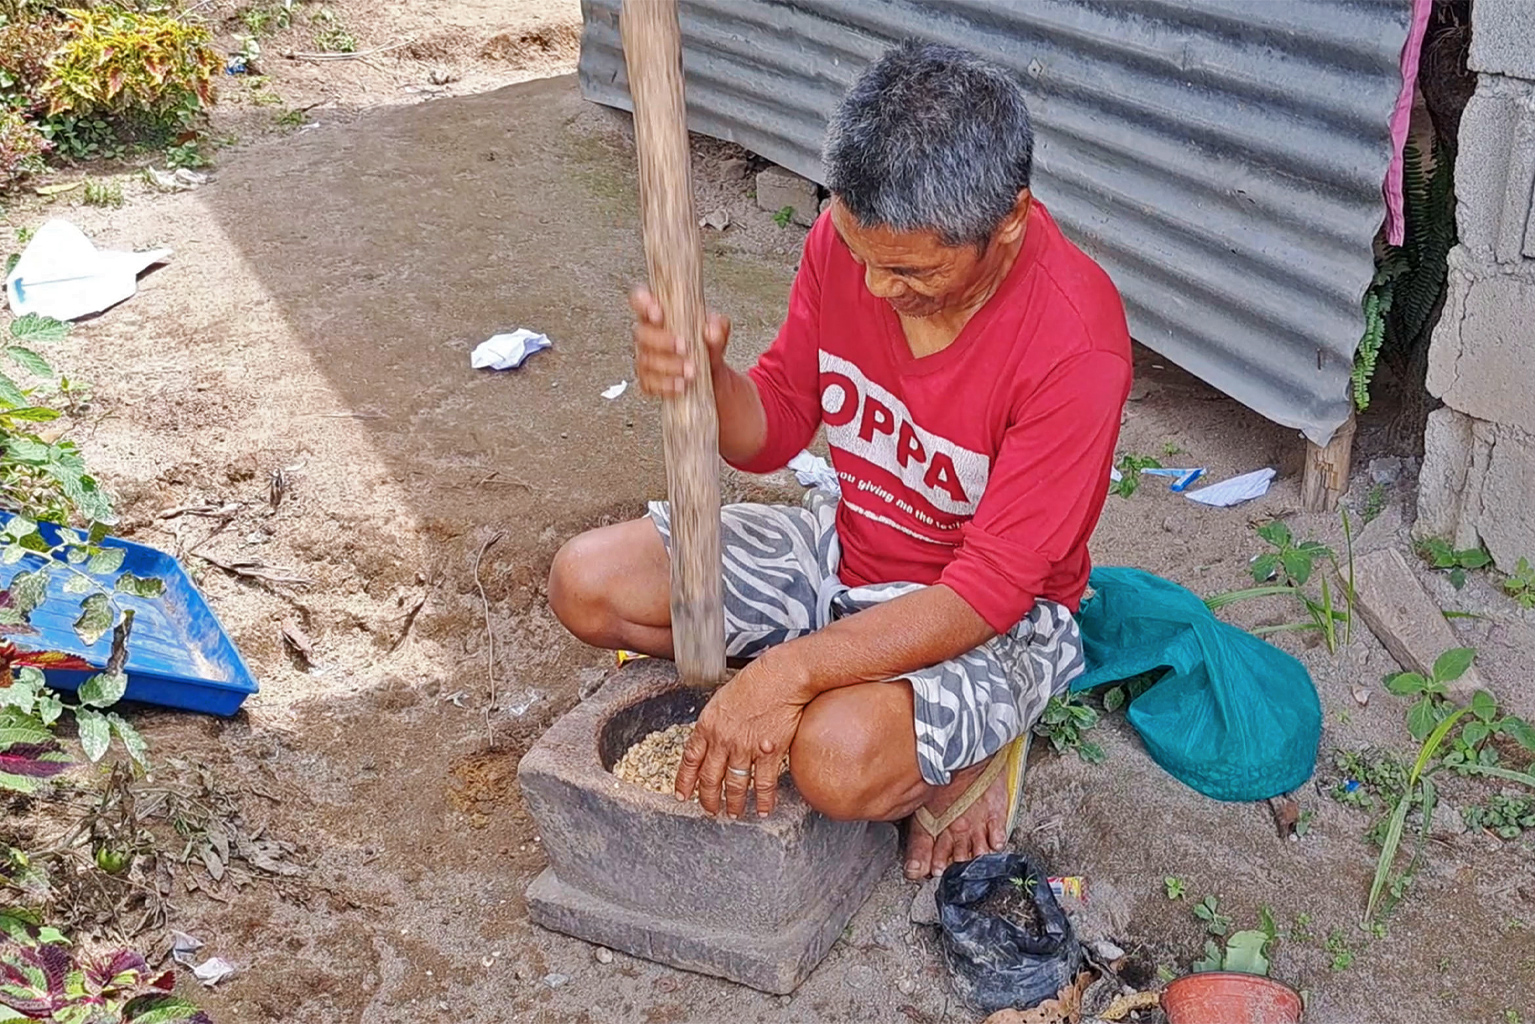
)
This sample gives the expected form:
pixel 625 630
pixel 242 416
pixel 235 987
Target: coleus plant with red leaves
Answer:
pixel 42 979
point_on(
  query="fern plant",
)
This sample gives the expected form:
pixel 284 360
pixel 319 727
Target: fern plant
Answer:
pixel 1410 278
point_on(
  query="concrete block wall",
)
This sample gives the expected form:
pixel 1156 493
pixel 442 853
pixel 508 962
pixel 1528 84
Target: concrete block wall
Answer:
pixel 1476 484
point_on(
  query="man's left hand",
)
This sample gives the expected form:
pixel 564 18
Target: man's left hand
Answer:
pixel 740 741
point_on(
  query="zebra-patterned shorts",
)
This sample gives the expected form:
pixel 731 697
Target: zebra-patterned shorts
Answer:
pixel 781 583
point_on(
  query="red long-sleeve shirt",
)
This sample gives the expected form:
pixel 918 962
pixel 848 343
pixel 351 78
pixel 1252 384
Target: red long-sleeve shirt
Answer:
pixel 983 466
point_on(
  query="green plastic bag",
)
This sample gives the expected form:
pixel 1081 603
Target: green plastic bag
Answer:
pixel 1234 717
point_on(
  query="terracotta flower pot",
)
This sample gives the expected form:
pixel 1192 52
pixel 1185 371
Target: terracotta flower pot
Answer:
pixel 1226 997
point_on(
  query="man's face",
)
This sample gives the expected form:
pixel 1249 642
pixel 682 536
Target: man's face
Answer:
pixel 915 271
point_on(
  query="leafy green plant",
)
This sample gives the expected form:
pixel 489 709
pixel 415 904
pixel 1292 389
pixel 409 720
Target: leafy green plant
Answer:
pixel 1375 504
pixel 1285 571
pixel 1170 449
pixel 1174 887
pixel 1300 928
pixel 1374 307
pixel 28 708
pixel 1246 952
pixel 784 216
pixel 1064 721
pixel 1503 815
pixel 1471 752
pixel 25 46
pixel 1208 911
pixel 117 59
pixel 103 193
pixel 1521 585
pixel 1338 948
pixel 266 18
pixel 84 137
pixel 1455 564
pixel 1290 562
pixel 1369 780
pixel 187 154
pixel 1119 695
pixel 335 40
pixel 1423 715
pixel 1129 468
pixel 43 977
pixel 45 479
pixel 1409 278
pixel 1419 780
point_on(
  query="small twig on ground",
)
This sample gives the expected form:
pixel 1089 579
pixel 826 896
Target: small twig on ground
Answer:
pixel 512 482
pixel 254 570
pixel 176 531
pixel 211 511
pixel 410 616
pixel 490 638
pixel 354 55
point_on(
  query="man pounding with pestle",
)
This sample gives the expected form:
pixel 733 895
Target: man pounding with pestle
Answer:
pixel 969 365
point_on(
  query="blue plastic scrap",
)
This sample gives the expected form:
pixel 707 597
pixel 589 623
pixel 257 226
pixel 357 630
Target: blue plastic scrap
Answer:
pixel 1181 478
pixel 179 655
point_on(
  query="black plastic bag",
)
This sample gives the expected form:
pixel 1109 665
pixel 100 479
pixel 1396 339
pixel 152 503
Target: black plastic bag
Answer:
pixel 997 963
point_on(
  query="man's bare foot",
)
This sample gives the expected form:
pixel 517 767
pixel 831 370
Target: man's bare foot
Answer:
pixel 977 831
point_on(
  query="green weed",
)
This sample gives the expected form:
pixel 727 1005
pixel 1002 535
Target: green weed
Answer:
pixel 103 193
pixel 1174 887
pixel 1064 722
pixel 264 19
pixel 1286 570
pixel 186 154
pixel 1375 504
pixel 1209 912
pixel 1505 816
pixel 1339 949
pixel 1521 585
pixel 784 216
pixel 1130 467
pixel 1455 564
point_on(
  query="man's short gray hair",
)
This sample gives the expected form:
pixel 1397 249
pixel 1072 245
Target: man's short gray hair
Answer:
pixel 934 138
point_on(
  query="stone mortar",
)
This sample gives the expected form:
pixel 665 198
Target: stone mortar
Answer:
pixel 758 901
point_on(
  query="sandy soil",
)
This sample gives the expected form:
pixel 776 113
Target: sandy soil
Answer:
pixel 317 319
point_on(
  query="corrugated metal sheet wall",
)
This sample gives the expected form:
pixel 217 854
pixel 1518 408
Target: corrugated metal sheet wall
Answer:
pixel 1222 159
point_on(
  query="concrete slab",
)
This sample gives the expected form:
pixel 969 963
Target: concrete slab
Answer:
pixel 758 901
pixel 1400 612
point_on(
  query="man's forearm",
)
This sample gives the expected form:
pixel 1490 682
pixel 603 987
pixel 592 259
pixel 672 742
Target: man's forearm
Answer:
pixel 902 635
pixel 743 424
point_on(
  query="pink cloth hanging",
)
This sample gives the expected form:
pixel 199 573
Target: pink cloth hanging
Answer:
pixel 1392 188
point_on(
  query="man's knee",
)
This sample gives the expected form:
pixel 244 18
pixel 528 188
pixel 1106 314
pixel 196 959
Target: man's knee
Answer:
pixel 578 591
pixel 846 760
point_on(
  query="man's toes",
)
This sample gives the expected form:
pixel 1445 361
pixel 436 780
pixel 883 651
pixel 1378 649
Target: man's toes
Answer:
pixel 943 852
pixel 964 848
pixel 997 829
pixel 919 851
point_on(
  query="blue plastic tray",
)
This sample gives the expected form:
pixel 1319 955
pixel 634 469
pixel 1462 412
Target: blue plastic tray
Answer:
pixel 178 655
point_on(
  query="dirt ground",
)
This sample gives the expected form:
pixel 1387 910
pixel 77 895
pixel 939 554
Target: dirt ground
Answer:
pixel 317 319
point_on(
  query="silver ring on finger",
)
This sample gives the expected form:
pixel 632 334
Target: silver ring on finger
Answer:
pixel 739 772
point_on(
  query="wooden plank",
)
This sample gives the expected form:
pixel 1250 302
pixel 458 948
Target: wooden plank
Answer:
pixel 1325 477
pixel 653 52
pixel 1397 608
